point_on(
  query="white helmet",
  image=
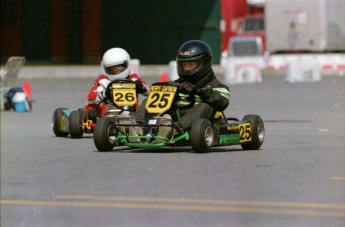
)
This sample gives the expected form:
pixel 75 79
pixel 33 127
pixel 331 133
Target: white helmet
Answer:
pixel 116 56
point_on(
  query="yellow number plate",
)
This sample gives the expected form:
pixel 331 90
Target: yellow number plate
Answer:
pixel 160 98
pixel 245 132
pixel 124 94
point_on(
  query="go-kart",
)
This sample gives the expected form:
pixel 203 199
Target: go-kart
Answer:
pixel 120 96
pixel 167 98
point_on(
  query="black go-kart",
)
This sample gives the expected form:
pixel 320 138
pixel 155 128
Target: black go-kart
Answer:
pixel 166 98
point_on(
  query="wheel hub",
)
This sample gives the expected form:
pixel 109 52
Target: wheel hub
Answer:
pixel 209 136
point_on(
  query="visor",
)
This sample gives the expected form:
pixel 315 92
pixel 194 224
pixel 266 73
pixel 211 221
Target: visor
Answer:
pixel 189 67
pixel 109 71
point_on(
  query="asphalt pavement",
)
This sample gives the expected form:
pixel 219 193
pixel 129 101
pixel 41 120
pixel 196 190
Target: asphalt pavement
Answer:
pixel 297 178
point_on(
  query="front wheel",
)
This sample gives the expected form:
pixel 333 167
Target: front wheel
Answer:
pixel 104 134
pixel 257 132
pixel 201 136
pixel 59 120
pixel 76 124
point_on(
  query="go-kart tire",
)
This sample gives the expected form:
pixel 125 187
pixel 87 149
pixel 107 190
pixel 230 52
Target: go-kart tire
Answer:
pixel 257 130
pixel 56 122
pixel 76 124
pixel 102 131
pixel 201 136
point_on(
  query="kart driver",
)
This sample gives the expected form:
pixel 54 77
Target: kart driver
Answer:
pixel 115 65
pixel 196 76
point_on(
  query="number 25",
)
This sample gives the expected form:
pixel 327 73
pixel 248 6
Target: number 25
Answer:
pixel 245 132
pixel 160 101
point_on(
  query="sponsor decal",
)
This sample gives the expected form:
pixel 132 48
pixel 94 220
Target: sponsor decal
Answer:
pixel 229 138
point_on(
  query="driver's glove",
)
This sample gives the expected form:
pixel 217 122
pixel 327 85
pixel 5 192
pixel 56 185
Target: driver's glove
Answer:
pixel 104 83
pixel 101 93
pixel 139 86
pixel 190 87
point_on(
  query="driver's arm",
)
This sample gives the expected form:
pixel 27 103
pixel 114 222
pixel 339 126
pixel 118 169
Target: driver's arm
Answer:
pixel 216 96
pixel 96 95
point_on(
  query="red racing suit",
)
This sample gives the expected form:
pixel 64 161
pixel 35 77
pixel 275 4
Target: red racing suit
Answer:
pixel 96 97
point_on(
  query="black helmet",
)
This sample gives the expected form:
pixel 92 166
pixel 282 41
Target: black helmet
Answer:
pixel 196 51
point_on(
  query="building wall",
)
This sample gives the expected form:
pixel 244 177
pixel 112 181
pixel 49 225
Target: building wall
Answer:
pixel 153 30
pixel 79 31
pixel 11 12
pixel 59 30
pixel 91 31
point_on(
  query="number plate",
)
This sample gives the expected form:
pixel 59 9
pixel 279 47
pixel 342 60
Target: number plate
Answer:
pixel 160 98
pixel 124 94
pixel 245 132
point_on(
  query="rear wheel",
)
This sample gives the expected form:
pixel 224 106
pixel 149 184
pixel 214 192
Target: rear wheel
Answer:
pixel 201 136
pixel 76 124
pixel 59 120
pixel 104 134
pixel 257 132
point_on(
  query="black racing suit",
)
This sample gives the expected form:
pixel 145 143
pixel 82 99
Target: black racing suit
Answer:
pixel 212 96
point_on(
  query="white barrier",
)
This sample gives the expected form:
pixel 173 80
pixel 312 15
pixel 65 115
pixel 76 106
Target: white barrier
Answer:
pixel 172 72
pixel 303 71
pixel 326 61
pixel 135 64
pixel 10 72
pixel 238 70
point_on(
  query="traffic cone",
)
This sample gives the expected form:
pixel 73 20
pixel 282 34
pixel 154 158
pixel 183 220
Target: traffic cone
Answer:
pixel 27 90
pixel 164 77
